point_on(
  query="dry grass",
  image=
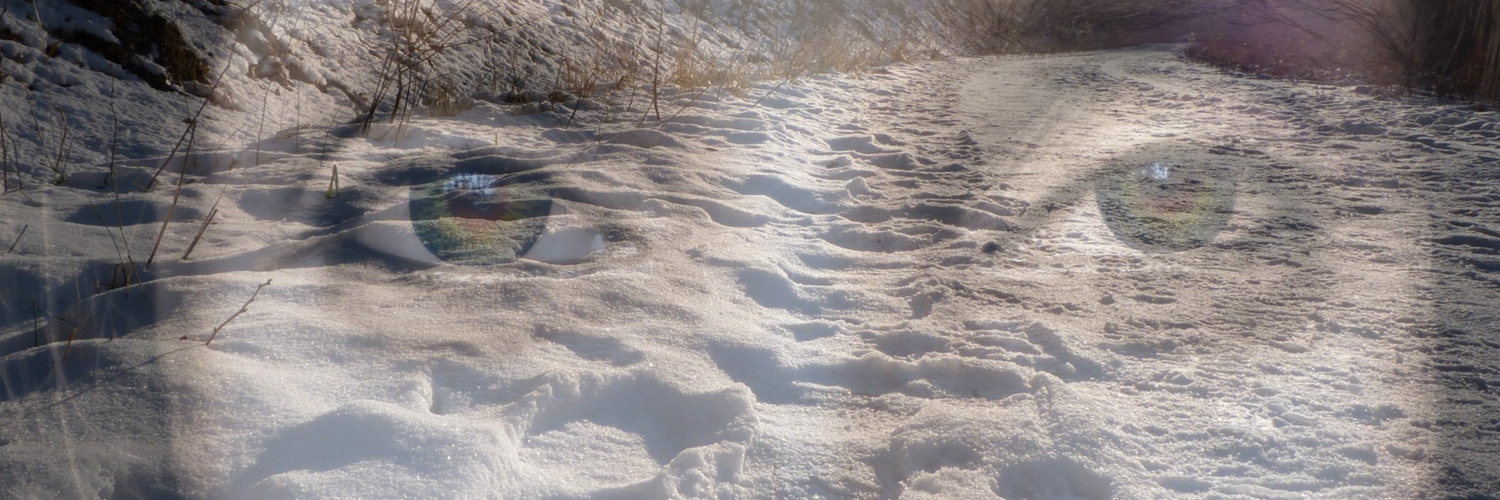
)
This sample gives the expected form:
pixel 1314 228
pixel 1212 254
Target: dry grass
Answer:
pixel 212 212
pixel 55 157
pixel 680 52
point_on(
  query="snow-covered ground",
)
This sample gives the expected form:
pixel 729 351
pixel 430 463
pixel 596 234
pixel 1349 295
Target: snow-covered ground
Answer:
pixel 1101 275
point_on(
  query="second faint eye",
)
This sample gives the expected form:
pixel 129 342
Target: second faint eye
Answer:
pixel 474 219
pixel 1161 207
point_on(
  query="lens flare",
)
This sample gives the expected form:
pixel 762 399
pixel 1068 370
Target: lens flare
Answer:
pixel 1163 207
pixel 476 220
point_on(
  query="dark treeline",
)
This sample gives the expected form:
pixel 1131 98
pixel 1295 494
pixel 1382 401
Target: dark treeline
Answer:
pixel 1450 47
pixel 1454 42
pixel 1021 26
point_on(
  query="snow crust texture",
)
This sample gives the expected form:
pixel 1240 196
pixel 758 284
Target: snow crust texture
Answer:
pixel 1083 276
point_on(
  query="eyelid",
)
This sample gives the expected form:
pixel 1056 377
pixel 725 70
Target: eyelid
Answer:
pixel 392 234
pixel 1230 176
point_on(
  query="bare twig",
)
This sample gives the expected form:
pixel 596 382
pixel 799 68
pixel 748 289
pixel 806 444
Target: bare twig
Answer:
pixel 60 165
pixel 114 136
pixel 36 326
pixel 323 156
pixel 121 277
pixel 297 121
pixel 656 70
pixel 65 320
pixel 243 309
pixel 41 136
pixel 5 157
pixel 176 196
pixel 120 267
pixel 72 334
pixel 333 184
pixel 192 126
pixel 18 239
pixel 206 220
pixel 260 130
pixel 104 223
pixel 261 127
pixel 130 271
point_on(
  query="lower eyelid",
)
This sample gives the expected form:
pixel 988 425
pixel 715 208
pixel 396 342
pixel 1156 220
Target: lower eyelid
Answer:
pixel 566 246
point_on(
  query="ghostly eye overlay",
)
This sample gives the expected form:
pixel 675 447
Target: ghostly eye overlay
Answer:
pixel 1165 206
pixel 477 219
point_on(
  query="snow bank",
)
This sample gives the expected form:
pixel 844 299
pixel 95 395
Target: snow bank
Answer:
pixel 930 280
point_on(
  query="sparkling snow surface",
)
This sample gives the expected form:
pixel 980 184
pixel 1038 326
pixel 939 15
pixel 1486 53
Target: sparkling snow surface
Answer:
pixel 1083 276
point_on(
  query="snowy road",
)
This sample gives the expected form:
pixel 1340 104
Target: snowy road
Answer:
pixel 1098 275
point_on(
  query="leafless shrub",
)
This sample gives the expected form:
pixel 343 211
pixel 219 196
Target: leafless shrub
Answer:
pixel 416 32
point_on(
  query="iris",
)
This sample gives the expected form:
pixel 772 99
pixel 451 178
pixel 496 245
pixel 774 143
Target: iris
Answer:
pixel 1165 207
pixel 476 219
